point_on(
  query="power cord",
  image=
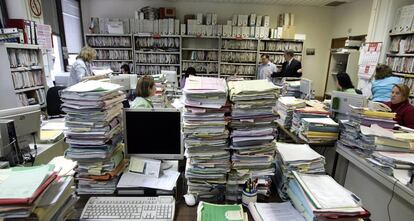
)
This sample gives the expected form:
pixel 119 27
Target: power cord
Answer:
pixel 389 203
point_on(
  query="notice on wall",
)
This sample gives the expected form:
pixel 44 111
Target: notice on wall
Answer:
pixel 368 59
pixel 44 36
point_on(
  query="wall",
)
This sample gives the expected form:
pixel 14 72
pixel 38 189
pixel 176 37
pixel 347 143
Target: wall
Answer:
pixel 312 21
pixel 20 9
pixel 353 17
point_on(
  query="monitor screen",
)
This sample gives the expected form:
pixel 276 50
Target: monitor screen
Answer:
pixel 153 133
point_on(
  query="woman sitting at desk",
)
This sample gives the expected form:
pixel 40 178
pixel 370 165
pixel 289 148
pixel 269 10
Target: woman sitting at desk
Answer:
pixel 144 90
pixel 400 104
pixel 383 83
pixel 344 84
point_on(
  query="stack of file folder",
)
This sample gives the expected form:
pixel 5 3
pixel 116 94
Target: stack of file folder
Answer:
pixel 205 135
pixel 291 89
pixel 320 197
pixel 160 98
pixel 35 193
pixel 383 119
pixel 94 134
pixel 285 107
pixel 253 129
pixel 397 164
pixel 318 130
pixel 296 157
pixel 306 112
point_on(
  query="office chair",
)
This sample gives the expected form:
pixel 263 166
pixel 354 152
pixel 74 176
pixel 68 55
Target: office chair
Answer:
pixel 54 102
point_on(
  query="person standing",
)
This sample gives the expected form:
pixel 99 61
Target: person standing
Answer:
pixel 266 68
pixel 291 67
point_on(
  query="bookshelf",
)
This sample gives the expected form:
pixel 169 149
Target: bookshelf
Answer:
pixel 239 56
pixel 113 50
pixel 153 53
pixel 24 79
pixel 400 57
pixel 201 53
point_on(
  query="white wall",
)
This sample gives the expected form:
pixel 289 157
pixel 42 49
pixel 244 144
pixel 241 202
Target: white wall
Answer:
pixel 315 22
pixel 20 9
pixel 353 17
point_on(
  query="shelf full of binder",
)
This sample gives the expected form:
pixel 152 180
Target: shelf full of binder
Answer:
pixel 27 73
pixel 153 53
pixel 112 50
pixel 400 56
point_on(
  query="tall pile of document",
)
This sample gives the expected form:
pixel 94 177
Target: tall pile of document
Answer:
pixel 160 98
pixel 291 88
pixel 383 119
pixel 320 197
pixel 94 134
pixel 296 157
pixel 253 129
pixel 35 193
pixel 285 107
pixel 318 130
pixel 205 135
pixel 306 112
pixel 397 164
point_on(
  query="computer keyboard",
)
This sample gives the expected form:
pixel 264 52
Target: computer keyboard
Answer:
pixel 159 208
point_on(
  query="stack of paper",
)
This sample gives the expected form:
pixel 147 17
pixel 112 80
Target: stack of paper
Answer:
pixel 253 129
pixel 94 132
pixel 205 134
pixel 354 135
pixel 274 212
pixel 285 107
pixel 320 197
pixel 318 130
pixel 393 163
pixel 159 100
pixel 291 89
pixel 34 193
pixel 383 119
pixel 307 112
pixel 296 157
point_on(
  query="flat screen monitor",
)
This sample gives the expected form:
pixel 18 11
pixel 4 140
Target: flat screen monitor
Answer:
pixel 123 79
pixel 153 133
pixel 171 77
pixel 306 88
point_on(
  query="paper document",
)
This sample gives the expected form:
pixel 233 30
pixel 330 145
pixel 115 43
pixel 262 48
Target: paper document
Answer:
pixel 93 86
pixel 55 191
pixel 166 181
pixel 296 152
pixel 274 212
pixel 54 125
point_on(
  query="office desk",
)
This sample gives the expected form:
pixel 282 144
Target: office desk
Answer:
pixel 375 188
pixel 46 152
pixel 297 140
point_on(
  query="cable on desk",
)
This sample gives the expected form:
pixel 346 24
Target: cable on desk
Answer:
pixel 392 196
pixel 35 147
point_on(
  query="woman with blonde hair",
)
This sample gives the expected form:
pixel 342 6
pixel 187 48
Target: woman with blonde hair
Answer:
pixel 81 68
pixel 401 106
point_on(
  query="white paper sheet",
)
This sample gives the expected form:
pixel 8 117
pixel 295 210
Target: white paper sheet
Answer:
pixel 165 182
pixel 277 211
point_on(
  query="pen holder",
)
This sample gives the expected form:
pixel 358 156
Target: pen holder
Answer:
pixel 249 198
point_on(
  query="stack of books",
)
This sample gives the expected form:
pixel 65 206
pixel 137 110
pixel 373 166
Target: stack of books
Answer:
pixel 253 129
pixel 296 157
pixel 45 197
pixel 329 201
pixel 307 112
pixel 285 107
pixel 318 130
pixel 94 134
pixel 205 135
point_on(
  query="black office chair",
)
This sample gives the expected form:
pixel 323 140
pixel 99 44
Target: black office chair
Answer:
pixel 54 102
pixel 358 91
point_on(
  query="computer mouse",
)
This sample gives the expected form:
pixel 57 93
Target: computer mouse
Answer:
pixel 190 199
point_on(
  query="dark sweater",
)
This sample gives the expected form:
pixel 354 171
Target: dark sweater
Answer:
pixel 405 113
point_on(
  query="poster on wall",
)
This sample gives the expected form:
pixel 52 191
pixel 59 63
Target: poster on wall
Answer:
pixel 368 59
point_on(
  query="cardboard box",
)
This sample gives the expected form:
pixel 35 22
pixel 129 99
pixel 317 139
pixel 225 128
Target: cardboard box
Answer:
pixel 245 32
pixel 258 21
pixel 199 18
pixel 252 20
pixel 208 19
pixel 209 30
pixel 219 30
pixel 262 32
pixel 266 21
pixel 191 23
pixel 183 29
pixel 165 26
pixel 171 25
pixel 214 19
pixel 251 34
pixel 234 31
pixel 176 27
pixel 289 32
pixel 203 30
pixel 227 31
pixel 257 32
pixel 234 20
pixel 156 27
pixel 198 29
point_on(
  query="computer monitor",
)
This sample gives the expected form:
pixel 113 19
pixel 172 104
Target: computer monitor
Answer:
pixel 306 91
pixel 153 133
pixel 123 79
pixel 26 123
pixel 133 79
pixel 341 102
pixel 171 77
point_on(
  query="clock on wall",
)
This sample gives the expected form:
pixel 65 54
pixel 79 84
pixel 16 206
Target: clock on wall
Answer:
pixel 35 7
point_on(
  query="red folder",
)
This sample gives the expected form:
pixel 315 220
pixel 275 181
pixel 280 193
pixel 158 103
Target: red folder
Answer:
pixel 36 194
